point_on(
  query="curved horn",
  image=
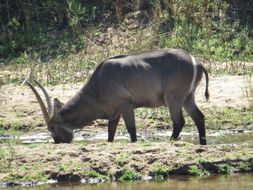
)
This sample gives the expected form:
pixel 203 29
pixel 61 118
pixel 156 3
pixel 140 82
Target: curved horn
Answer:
pixel 42 105
pixel 49 103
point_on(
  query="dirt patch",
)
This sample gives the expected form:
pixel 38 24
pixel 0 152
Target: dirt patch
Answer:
pixel 225 91
pixel 19 107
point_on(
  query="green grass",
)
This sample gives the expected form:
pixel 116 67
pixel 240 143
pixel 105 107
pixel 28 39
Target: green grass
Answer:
pixel 26 175
pixel 129 175
pixel 215 118
pixel 229 118
pixel 247 166
pixel 122 159
pixel 248 88
pixel 159 170
pixel 196 171
pixel 225 169
pixel 13 126
pixel 18 173
pixel 94 174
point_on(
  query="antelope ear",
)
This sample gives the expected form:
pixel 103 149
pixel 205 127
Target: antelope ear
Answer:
pixel 57 106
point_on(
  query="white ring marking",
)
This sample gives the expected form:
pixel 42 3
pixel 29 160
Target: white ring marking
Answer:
pixel 194 64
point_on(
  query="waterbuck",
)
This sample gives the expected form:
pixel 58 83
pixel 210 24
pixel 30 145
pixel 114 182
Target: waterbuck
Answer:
pixel 163 77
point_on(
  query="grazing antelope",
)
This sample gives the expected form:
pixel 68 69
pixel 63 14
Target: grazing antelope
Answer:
pixel 163 77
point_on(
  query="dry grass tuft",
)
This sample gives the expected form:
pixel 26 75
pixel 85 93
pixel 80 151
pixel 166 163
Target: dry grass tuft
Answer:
pixel 248 89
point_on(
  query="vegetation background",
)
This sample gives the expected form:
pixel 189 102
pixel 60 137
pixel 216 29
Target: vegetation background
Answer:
pixel 60 41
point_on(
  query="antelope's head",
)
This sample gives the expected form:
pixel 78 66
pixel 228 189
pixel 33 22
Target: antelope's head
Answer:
pixel 59 130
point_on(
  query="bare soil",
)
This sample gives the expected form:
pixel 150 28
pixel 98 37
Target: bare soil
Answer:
pixel 19 106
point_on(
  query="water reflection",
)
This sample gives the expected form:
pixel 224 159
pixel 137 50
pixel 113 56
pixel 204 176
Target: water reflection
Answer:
pixel 236 182
pixel 219 138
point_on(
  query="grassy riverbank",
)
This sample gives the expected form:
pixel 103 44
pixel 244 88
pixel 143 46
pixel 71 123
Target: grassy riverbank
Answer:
pixel 121 161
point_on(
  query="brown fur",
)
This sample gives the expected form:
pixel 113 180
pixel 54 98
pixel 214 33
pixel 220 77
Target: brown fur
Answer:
pixel 120 84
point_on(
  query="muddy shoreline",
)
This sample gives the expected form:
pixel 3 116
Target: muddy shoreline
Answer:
pixel 119 161
pixel 227 136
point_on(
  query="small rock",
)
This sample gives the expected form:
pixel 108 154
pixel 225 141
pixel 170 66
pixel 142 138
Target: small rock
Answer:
pixel 51 181
pixel 92 180
pixel 29 183
pixel 84 149
pixel 9 184
pixel 138 152
pixel 74 154
pixel 180 144
pixel 199 150
pixel 147 177
pixel 86 159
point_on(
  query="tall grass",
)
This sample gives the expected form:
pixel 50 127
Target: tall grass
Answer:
pixel 248 89
pixel 64 42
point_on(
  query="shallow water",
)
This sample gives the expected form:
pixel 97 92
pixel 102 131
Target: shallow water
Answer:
pixel 218 137
pixel 222 138
pixel 236 182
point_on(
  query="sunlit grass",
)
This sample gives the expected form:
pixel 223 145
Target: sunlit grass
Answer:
pixel 248 89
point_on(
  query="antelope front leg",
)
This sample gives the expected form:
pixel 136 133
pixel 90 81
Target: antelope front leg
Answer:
pixel 192 109
pixel 177 118
pixel 128 116
pixel 112 126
